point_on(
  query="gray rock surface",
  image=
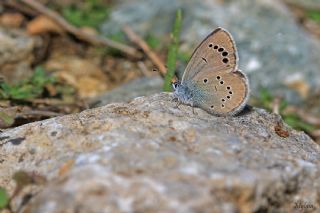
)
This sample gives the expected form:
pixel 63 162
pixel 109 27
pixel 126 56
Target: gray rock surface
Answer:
pixel 135 88
pixel 16 54
pixel 149 156
pixel 274 51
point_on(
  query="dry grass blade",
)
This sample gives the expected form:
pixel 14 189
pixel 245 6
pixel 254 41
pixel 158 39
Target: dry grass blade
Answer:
pixel 146 49
pixel 143 68
pixel 38 113
pixel 18 6
pixel 276 105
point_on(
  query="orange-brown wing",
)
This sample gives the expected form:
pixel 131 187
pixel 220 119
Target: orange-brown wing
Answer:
pixel 217 52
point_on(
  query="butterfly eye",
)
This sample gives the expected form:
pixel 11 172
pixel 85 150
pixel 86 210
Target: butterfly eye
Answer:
pixel 174 85
pixel 205 80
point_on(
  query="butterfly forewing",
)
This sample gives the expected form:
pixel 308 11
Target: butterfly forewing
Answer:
pixel 212 77
pixel 217 52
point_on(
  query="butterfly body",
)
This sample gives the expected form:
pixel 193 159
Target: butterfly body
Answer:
pixel 183 93
pixel 212 80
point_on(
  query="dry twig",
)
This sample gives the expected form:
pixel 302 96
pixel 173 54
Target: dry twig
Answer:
pixel 17 6
pixel 143 68
pixel 26 113
pixel 276 105
pixel 146 49
pixel 92 39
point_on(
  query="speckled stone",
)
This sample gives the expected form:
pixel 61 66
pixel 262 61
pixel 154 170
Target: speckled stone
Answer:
pixel 149 156
pixel 124 93
pixel 16 54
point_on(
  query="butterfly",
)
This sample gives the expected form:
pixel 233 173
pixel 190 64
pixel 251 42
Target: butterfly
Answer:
pixel 212 80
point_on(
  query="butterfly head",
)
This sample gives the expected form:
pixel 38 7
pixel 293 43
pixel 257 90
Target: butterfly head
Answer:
pixel 176 85
pixel 182 92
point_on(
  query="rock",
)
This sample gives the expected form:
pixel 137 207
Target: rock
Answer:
pixel 149 156
pixel 135 88
pixel 273 50
pixel 13 20
pixel 83 74
pixel 42 24
pixel 16 54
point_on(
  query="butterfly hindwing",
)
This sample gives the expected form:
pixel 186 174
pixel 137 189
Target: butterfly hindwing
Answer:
pixel 220 92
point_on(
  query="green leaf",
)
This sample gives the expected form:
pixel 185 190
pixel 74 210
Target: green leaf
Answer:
pixel 90 13
pixel 40 78
pixel 29 88
pixel 266 97
pixel 119 37
pixel 314 15
pixel 4 198
pixel 23 92
pixel 5 87
pixel 152 41
pixel 173 52
pixel 282 106
pixel 6 118
pixel 184 56
pixel 297 123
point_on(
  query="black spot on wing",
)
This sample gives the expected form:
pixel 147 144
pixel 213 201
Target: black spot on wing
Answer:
pixel 204 59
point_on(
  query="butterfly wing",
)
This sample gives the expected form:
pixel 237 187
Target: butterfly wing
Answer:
pixel 220 92
pixel 217 51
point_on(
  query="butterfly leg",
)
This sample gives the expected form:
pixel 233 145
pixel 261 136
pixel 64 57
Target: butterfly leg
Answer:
pixel 193 112
pixel 178 104
pixel 175 99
